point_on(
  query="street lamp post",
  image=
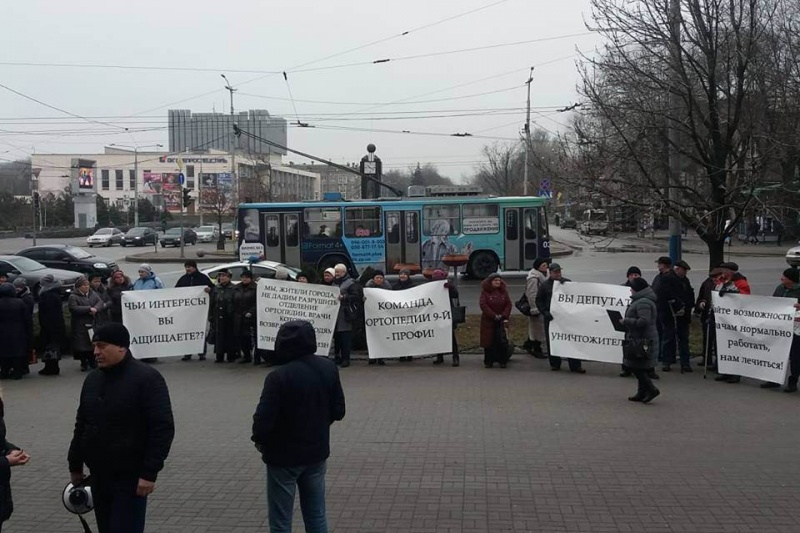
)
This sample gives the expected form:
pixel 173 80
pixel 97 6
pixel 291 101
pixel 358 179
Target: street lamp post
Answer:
pixel 136 175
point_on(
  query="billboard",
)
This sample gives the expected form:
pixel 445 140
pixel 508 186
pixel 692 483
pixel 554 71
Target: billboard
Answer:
pixel 82 178
pixel 217 192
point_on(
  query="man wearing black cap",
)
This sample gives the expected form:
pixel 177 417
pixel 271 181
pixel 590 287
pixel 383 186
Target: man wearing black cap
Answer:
pixel 223 318
pixel 291 427
pixel 543 301
pixel 123 432
pixel 668 289
pixel 194 278
pixel 683 316
pixel 246 296
pixel 790 288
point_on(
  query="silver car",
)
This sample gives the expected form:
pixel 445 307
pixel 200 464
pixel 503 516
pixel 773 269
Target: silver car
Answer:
pixel 105 237
pixel 793 256
pixel 262 269
pixel 207 234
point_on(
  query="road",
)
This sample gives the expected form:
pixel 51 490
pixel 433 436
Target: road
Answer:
pixel 763 273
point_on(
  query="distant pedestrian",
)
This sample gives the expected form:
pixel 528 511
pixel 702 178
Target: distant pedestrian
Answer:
pixel 633 273
pixel 533 284
pixel 683 315
pixel 223 319
pixel 123 432
pixel 118 284
pixel 543 303
pixel 641 337
pixel 495 306
pixel 668 289
pixel 84 306
pixel 192 277
pixel 147 279
pixel 291 427
pixel 245 301
pixel 24 294
pixel 16 332
pixel 96 284
pixel 702 307
pixel 51 324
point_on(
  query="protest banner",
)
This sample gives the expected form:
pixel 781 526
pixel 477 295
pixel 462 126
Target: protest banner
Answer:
pixel 166 322
pixel 754 335
pixel 415 321
pixel 581 326
pixel 282 301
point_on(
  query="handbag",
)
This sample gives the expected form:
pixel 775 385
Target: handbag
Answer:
pixel 459 311
pixel 637 349
pixel 523 305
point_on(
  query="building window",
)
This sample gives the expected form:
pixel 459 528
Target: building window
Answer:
pixel 132 180
pixel 441 220
pixel 119 182
pixel 120 202
pixel 323 223
pixel 362 222
pixel 104 180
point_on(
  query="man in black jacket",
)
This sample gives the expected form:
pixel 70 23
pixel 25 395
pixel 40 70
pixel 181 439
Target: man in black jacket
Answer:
pixel 668 289
pixel 246 296
pixel 123 432
pixel 194 278
pixel 543 299
pixel 683 316
pixel 291 427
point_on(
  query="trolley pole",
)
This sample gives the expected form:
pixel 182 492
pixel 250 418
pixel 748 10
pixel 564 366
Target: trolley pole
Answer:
pixel 527 135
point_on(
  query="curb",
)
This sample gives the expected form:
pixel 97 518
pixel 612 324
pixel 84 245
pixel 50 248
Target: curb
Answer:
pixel 156 259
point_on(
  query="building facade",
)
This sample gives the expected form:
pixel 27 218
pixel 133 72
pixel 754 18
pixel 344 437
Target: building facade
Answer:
pixel 204 131
pixel 333 179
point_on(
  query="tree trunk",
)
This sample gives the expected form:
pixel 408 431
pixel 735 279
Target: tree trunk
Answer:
pixel 716 252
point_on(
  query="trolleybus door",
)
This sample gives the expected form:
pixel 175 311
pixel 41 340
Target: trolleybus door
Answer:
pixel 402 238
pixel 282 238
pixel 521 237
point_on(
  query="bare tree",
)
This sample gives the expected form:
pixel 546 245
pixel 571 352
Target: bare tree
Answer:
pixel 501 173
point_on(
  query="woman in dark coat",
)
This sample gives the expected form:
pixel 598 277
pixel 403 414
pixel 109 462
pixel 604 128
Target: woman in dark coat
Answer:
pixel 118 284
pixel 51 324
pixel 640 324
pixel 24 294
pixel 84 305
pixel 495 311
pixel 12 456
pixel 452 293
pixel 16 332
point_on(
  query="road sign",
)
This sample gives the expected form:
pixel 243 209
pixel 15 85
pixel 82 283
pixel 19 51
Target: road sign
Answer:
pixel 181 178
pixel 545 186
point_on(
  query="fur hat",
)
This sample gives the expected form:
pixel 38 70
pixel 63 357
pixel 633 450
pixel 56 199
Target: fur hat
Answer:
pixel 144 267
pixel 639 284
pixel 791 274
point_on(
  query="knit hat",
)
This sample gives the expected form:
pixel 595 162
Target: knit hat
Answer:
pixel 791 274
pixel 438 275
pixel 554 267
pixel 633 270
pixel 113 333
pixel 405 271
pixel 281 274
pixel 80 281
pixel 190 263
pixel 378 273
pixel 538 262
pixel 19 282
pixel 492 276
pixel 144 267
pixel 330 271
pixel 639 284
pixel 246 274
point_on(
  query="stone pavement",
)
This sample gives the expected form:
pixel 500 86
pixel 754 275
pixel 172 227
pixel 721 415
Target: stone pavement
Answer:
pixel 441 449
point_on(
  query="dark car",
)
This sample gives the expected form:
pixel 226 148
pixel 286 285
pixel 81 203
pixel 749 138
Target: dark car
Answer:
pixel 172 237
pixel 68 257
pixel 569 223
pixel 140 237
pixel 32 272
pixel 229 232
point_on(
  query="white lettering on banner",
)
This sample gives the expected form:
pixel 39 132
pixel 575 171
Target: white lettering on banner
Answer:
pixel 754 335
pixel 249 249
pixel 166 322
pixel 281 301
pixel 420 314
pixel 478 225
pixel 581 327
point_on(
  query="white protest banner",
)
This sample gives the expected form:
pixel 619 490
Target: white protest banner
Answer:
pixel 415 321
pixel 282 301
pixel 581 326
pixel 754 335
pixel 250 249
pixel 166 322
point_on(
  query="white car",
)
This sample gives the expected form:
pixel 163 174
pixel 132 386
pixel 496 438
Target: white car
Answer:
pixel 262 269
pixel 105 237
pixel 793 256
pixel 207 234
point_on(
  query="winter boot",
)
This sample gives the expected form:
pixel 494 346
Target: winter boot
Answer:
pixel 439 359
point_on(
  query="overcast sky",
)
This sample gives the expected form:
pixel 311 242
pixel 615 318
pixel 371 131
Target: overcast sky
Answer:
pixel 351 101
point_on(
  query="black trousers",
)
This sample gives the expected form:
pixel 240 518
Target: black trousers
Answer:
pixel 794 361
pixel 246 341
pixel 666 335
pixel 117 508
pixel 495 354
pixel 644 381
pixel 555 361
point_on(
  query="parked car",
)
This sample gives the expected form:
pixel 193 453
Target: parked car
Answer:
pixel 595 221
pixel 262 269
pixel 140 236
pixel 229 232
pixel 67 257
pixel 32 272
pixel 172 237
pixel 105 237
pixel 207 234
pixel 568 223
pixel 793 256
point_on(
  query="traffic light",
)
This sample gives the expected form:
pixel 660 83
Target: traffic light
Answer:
pixel 36 200
pixel 187 200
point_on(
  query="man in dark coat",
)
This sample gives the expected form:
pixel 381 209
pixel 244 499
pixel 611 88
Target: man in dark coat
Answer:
pixel 668 289
pixel 351 310
pixel 51 324
pixel 223 319
pixel 703 308
pixel 246 296
pixel 291 426
pixel 194 278
pixel 24 294
pixel 123 432
pixel 683 316
pixel 790 288
pixel 543 300
pixel 16 331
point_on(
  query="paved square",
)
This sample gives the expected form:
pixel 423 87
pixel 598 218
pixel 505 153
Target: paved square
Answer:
pixel 441 449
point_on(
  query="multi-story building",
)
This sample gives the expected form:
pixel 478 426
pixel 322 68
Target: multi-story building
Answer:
pixel 333 179
pixel 203 131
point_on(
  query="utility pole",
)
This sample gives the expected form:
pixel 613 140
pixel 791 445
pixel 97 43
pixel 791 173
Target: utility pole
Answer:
pixel 674 175
pixel 527 135
pixel 234 179
pixel 135 148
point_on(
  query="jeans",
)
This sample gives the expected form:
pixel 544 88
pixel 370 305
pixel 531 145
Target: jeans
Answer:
pixel 666 332
pixel 342 341
pixel 683 341
pixel 116 506
pixel 281 483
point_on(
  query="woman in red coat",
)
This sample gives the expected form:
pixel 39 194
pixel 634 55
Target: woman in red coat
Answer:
pixel 495 310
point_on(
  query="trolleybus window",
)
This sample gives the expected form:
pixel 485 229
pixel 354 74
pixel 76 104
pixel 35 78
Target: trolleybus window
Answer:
pixel 291 230
pixel 393 227
pixel 323 222
pixel 480 219
pixel 362 222
pixel 273 231
pixel 412 233
pixel 441 220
